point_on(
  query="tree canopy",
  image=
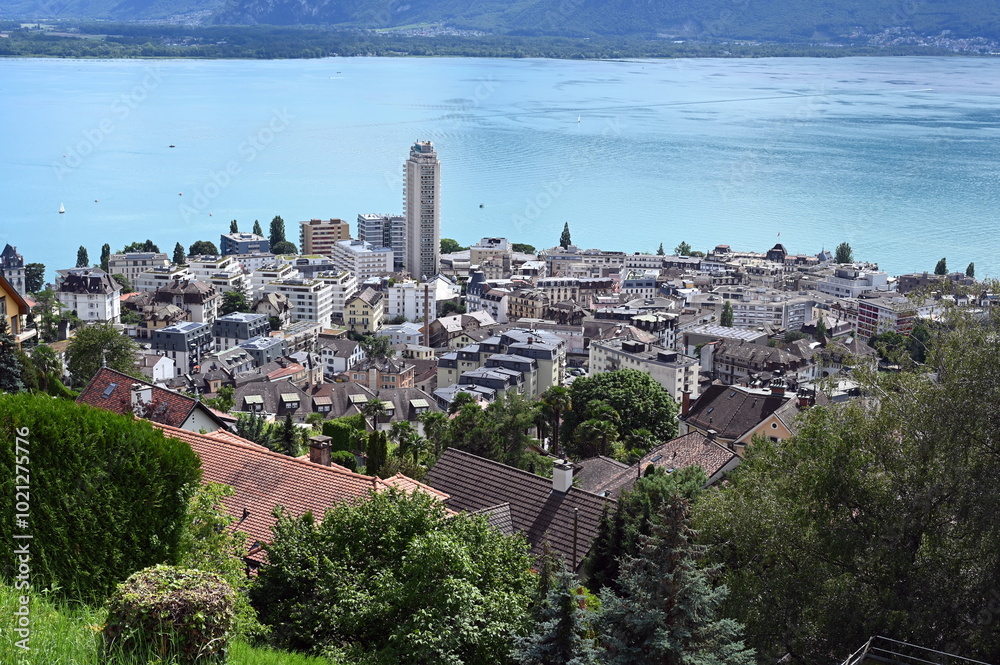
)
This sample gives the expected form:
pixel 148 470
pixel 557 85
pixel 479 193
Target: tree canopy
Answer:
pixel 284 247
pixel 450 246
pixel 180 256
pixel 145 246
pixel 234 301
pixel 942 267
pixel 683 249
pixel 396 579
pixel 34 277
pixel 727 316
pixel 94 345
pixel 565 240
pixel 277 232
pixel 203 247
pixel 844 253
pixel 82 260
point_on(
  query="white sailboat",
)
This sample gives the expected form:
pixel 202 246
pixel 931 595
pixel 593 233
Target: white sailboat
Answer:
pixel 62 208
pixel 578 118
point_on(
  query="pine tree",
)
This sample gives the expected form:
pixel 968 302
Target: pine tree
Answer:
pixel 683 249
pixel 941 268
pixel 254 428
pixel 234 227
pixel 564 240
pixel 970 270
pixel 821 331
pixel 659 250
pixel 10 367
pixel 82 260
pixel 105 256
pixel 256 228
pixel 667 610
pixel 277 230
pixel 726 320
pixel 560 633
pixel 180 256
pixel 289 437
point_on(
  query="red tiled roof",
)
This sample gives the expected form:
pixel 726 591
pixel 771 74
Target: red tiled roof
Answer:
pixel 408 485
pixel 166 407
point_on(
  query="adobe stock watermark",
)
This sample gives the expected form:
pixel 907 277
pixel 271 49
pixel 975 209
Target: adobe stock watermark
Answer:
pixel 22 539
pixel 121 109
pixel 248 151
pixel 553 188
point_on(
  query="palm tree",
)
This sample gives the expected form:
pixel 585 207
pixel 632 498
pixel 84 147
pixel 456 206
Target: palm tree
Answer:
pixel 374 409
pixel 557 400
pixel 594 437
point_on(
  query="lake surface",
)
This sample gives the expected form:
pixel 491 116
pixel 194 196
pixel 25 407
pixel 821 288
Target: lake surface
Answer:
pixel 898 156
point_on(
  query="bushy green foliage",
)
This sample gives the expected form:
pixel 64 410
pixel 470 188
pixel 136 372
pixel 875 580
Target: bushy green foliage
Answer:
pixel 253 427
pixel 344 432
pixel 667 609
pixel 377 451
pixel 95 344
pixel 635 399
pixel 233 301
pixel 562 633
pixel 565 239
pixel 727 315
pixel 393 579
pixel 623 527
pixel 277 231
pixel 284 247
pixel 145 246
pixel 82 260
pixel 450 246
pixel 34 277
pixel 108 492
pixel 203 247
pixel 10 363
pixel 345 459
pixel 942 267
pixel 180 256
pixel 167 613
pixel 844 253
pixel 522 247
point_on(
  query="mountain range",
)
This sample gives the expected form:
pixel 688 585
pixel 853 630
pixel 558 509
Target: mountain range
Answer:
pixel 773 20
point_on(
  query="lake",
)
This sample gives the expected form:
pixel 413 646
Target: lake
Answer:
pixel 898 156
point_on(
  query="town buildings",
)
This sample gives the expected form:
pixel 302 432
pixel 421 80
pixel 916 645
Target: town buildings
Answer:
pixel 92 293
pixel 243 243
pixel 318 236
pixel 362 259
pixel 310 299
pixel 385 231
pixel 133 264
pixel 422 209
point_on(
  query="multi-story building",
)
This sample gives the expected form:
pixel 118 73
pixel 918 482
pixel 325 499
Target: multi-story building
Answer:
pixel 92 293
pixel 362 259
pixel 12 267
pixel 311 299
pixel 271 272
pixel 677 373
pixel 133 264
pixel 157 276
pixel 850 281
pixel 243 243
pixel 762 307
pixel 422 209
pixel 365 311
pixel 414 301
pixel 403 333
pixel 385 231
pixel 205 266
pixel 573 262
pixel 879 313
pixel 527 304
pixel 544 352
pixel 494 252
pixel 338 355
pixel 317 236
pixel 383 374
pixel 186 343
pixel 264 349
pixel 231 329
pixel 639 283
pixel 200 300
pixel 254 260
pixel 343 284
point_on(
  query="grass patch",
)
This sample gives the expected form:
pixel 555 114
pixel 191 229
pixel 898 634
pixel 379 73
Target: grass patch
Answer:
pixel 65 633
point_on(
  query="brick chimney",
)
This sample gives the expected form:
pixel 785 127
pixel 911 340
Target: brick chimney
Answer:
pixel 562 476
pixel 685 402
pixel 319 449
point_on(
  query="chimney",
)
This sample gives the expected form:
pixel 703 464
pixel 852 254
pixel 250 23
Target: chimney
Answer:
pixel 319 449
pixel 141 395
pixel 562 476
pixel 712 434
pixel 685 402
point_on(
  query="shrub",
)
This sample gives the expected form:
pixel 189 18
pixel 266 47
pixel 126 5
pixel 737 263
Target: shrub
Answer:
pixel 344 458
pixel 108 493
pixel 165 612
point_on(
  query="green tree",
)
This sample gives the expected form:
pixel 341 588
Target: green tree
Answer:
pixel 234 301
pixel 522 247
pixel 116 493
pixel 10 366
pixel 821 331
pixel 256 228
pixel 843 253
pixel 622 528
pixel 34 277
pixel 970 270
pixel 660 251
pixel 726 319
pixel 253 427
pixel 859 522
pixel 556 400
pixel 146 246
pixel 210 542
pixel 377 453
pixel 47 314
pixel 284 247
pixel 562 631
pixel 203 247
pixel 395 579
pixel 941 268
pixel 667 610
pixel 636 399
pixel 289 437
pixel 180 256
pixel 683 249
pixel 224 399
pixel 449 246
pixel 564 239
pixel 95 345
pixel 105 256
pixel 234 227
pixel 82 261
pixel 594 437
pixel 123 281
pixel 277 233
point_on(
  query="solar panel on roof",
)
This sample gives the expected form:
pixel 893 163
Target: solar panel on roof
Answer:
pixel 110 389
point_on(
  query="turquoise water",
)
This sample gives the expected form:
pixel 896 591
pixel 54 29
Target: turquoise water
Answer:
pixel 898 156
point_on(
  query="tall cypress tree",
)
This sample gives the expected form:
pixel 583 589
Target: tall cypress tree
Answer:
pixel 180 256
pixel 105 256
pixel 10 366
pixel 667 611
pixel 82 260
pixel 564 240
pixel 256 228
pixel 234 227
pixel 377 451
pixel 277 230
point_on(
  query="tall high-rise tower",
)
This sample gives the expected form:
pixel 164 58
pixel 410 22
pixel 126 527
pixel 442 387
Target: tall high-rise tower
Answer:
pixel 422 209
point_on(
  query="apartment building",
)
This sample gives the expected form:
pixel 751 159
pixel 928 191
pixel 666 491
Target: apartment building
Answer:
pixel 318 236
pixel 310 299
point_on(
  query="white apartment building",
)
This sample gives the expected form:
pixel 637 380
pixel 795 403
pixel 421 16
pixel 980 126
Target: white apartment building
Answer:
pixel 311 299
pixel 343 285
pixel 362 259
pixel 676 372
pixel 250 262
pixel 422 209
pixel 385 231
pixel 134 264
pixel 203 267
pixel 271 272
pixel 412 300
pixel 154 278
pixel 92 294
pixel 850 281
